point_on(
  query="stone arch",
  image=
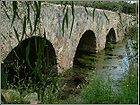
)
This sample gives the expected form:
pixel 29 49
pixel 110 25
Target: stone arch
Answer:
pixel 111 37
pixel 40 49
pixel 87 44
pixel 126 30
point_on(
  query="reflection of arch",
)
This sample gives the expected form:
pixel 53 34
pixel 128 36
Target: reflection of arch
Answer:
pixel 87 44
pixel 111 36
pixel 41 51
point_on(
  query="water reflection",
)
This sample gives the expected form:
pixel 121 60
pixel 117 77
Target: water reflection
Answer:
pixel 110 63
pixel 113 63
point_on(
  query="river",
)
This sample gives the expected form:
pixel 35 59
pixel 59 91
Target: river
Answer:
pixel 110 63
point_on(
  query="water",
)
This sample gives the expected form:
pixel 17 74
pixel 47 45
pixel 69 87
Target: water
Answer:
pixel 111 63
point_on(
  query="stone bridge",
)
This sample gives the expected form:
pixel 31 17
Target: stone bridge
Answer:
pixel 89 32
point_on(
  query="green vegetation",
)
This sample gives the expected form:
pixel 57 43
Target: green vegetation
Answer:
pixel 129 87
pixel 100 91
pixel 49 86
pixel 121 6
pixel 133 35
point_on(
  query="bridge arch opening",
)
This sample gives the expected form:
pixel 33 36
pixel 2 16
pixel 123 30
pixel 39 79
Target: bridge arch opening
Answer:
pixel 110 38
pixel 86 46
pixel 32 57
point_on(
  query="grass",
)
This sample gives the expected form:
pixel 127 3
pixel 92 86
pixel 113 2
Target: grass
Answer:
pixel 97 91
pixel 129 88
pixel 100 91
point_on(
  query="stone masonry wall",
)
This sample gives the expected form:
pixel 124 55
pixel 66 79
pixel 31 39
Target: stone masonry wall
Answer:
pixel 51 20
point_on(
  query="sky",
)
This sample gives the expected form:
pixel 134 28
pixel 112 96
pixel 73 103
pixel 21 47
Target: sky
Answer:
pixel 132 1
